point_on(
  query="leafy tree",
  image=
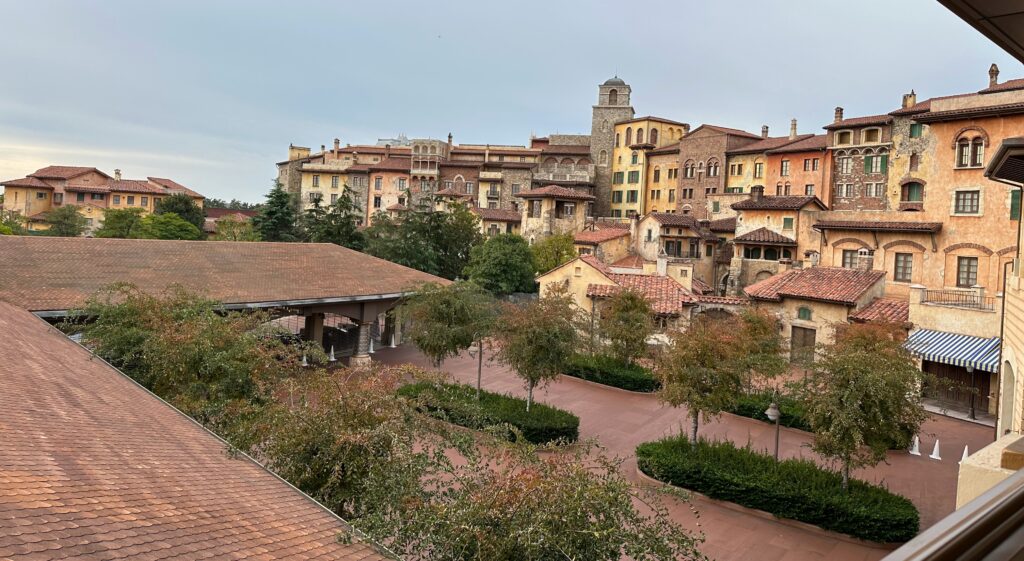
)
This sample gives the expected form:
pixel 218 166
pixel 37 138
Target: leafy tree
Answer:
pixel 762 349
pixel 454 233
pixel 438 243
pixel 553 251
pixel 862 396
pixel 66 222
pixel 5 230
pixel 233 229
pixel 278 218
pixel 337 223
pixel 503 264
pixel 234 204
pixel 703 369
pixel 168 226
pixel 13 221
pixel 537 339
pixel 186 209
pixel 395 240
pixel 446 320
pixel 120 223
pixel 626 324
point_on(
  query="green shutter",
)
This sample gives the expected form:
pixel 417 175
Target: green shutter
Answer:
pixel 867 164
pixel 1015 205
pixel 885 162
pixel 715 206
pixel 915 130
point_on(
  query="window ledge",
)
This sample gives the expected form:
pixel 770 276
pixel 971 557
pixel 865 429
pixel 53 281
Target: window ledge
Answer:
pixel 968 167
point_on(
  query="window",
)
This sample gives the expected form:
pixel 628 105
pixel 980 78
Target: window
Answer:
pixel 807 164
pixel 915 130
pixel 758 170
pixel 378 183
pixel 376 201
pixel 845 164
pixel 1015 205
pixel 603 158
pixel 334 181
pixel 872 135
pixel 716 206
pixel 131 200
pixel 616 213
pixel 977 152
pixel 656 195
pixel 515 188
pixel 904 267
pixel 40 194
pixel 966 271
pixel 334 198
pixel 616 196
pixel 100 197
pixel 850 258
pixel 804 313
pixel 145 201
pixel 874 190
pixel 649 238
pixel 654 136
pixel 534 210
pixel 844 190
pixel 686 194
pixel 117 199
pixel 617 140
pixel 79 197
pixel 785 168
pixel 569 209
pixel 787 223
pixel 469 187
pixel 313 197
pixel 634 158
pixel 634 177
pixel 967 202
pixel 629 136
pixel 617 178
pixel 671 195
pixel 809 189
pixel 401 183
pixel 640 136
pixel 815 164
pixel 844 137
pixel 631 196
pixel 316 181
pixel 876 164
pixel 657 175
pixel 963 153
pixel 915 161
pixel 713 169
pixel 912 192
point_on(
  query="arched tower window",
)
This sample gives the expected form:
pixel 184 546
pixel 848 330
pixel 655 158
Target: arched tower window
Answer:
pixel 654 136
pixel 617 139
pixel 603 157
pixel 629 136
pixel 613 97
pixel 640 135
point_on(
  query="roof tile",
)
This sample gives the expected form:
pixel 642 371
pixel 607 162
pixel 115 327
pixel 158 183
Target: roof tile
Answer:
pixel 885 310
pixel 555 191
pixel 765 236
pixel 827 284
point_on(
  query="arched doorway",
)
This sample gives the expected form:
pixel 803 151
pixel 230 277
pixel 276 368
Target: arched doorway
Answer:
pixel 1006 399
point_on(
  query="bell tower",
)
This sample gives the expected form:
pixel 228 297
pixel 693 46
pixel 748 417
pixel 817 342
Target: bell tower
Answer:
pixel 613 106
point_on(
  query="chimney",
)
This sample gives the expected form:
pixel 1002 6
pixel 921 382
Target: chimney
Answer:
pixel 686 129
pixel 387 151
pixel 839 114
pixel 757 192
pixel 449 141
pixel 764 131
pixel 909 99
pixel 117 175
pixel 792 129
pixel 993 75
pixel 865 259
pixel 337 145
pixel 323 148
pixel 661 264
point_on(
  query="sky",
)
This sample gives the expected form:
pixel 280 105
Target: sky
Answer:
pixel 212 93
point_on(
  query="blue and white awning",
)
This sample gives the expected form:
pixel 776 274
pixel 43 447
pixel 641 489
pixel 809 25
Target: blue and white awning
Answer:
pixel 980 353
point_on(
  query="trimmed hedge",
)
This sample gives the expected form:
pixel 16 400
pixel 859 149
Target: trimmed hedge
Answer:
pixel 755 404
pixel 610 372
pixel 795 489
pixel 456 403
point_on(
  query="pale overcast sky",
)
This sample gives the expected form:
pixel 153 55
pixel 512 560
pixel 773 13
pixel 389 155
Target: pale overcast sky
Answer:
pixel 212 93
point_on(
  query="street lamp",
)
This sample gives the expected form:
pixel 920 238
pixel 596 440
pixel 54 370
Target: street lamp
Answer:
pixel 974 390
pixel 775 416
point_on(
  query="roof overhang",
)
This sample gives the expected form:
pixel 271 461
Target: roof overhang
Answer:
pixel 1001 22
pixel 1007 165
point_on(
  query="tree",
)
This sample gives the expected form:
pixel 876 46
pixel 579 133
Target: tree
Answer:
pixel 503 264
pixel 762 346
pixel 863 396
pixel 234 204
pixel 167 226
pixel 337 223
pixel 626 324
pixel 702 368
pixel 277 221
pixel 454 233
pixel 536 339
pixel 13 221
pixel 66 222
pixel 120 223
pixel 398 241
pixel 553 251
pixel 186 209
pixel 233 229
pixel 439 243
pixel 446 320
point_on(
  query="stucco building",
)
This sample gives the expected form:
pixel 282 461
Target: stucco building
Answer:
pixel 702 165
pixel 633 139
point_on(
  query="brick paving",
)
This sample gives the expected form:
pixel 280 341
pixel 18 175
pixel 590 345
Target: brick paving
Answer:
pixel 620 420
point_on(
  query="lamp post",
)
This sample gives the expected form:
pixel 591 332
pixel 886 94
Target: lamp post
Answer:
pixel 775 416
pixel 974 390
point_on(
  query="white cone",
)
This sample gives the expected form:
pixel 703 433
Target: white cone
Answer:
pixel 371 345
pixel 964 457
pixel 304 361
pixel 393 341
pixel 935 451
pixel 331 358
pixel 915 447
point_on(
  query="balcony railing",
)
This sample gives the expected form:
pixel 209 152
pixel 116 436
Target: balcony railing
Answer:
pixel 959 299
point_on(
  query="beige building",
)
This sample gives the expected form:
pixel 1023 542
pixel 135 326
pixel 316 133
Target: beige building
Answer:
pixel 554 210
pixel 633 139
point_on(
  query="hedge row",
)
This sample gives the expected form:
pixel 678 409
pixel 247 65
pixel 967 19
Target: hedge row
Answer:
pixel 795 489
pixel 457 403
pixel 755 404
pixel 610 372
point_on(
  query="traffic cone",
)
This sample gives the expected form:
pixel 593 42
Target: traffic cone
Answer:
pixel 935 451
pixel 304 361
pixel 915 446
pixel 331 358
pixel 371 345
pixel 964 457
pixel 393 345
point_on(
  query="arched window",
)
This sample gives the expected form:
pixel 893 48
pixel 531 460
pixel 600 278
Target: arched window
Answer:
pixel 416 149
pixel 970 147
pixel 654 136
pixel 778 189
pixel 613 97
pixel 804 313
pixel 912 192
pixel 771 254
pixel 603 157
pixel 433 149
pixel 629 136
pixel 872 135
pixel 977 152
pixel 617 139
pixel 640 135
pixel 712 168
pixel 844 137
pixel 634 158
pixel 550 163
pixel 565 165
pixel 785 189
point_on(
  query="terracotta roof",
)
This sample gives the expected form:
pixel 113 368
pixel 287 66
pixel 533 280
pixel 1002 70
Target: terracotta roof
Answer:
pixel 826 284
pixel 728 300
pixel 723 225
pixel 453 192
pixel 666 295
pixel 629 262
pixel 878 226
pixel 576 149
pixel 970 112
pixel 596 263
pixel 699 287
pixel 88 188
pixel 1017 84
pixel 725 130
pixel 213 212
pixel 650 118
pixel 667 149
pixel 372 149
pixel 397 207
pixel 600 235
pixel 555 191
pixel 860 122
pixel 498 214
pixel 764 236
pixel 768 144
pixel 173 186
pixel 61 273
pixel 135 186
pixel 27 182
pixel 96 468
pixel 884 309
pixel 923 106
pixel 811 143
pixel 768 202
pixel 392 164
pixel 675 219
pixel 64 172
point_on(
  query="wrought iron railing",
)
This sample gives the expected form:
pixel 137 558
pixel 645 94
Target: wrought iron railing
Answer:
pixel 959 299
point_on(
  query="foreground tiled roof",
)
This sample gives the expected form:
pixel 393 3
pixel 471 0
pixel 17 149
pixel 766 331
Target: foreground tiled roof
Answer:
pixel 884 309
pixel 27 182
pixel 629 262
pixel 93 467
pixel 667 297
pixel 498 214
pixel 860 122
pixel 786 202
pixel 63 172
pixel 768 144
pixel 700 287
pixel 61 273
pixel 878 226
pixel 596 263
pixel 557 192
pixel 826 284
pixel 675 219
pixel 724 225
pixel 765 236
pixel 600 235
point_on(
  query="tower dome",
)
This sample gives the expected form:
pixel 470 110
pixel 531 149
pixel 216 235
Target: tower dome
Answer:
pixel 616 81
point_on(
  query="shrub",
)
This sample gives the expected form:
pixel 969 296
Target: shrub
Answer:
pixel 457 403
pixel 610 372
pixel 795 489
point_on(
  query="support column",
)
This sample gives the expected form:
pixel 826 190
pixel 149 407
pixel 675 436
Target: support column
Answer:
pixel 389 337
pixel 314 328
pixel 362 355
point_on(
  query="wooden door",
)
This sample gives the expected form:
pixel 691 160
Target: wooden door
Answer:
pixel 802 344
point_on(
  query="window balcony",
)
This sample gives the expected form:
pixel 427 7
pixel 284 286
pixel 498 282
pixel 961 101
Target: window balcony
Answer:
pixel 959 299
pixel 490 176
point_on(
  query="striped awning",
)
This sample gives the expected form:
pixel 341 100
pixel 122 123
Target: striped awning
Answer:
pixel 980 353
